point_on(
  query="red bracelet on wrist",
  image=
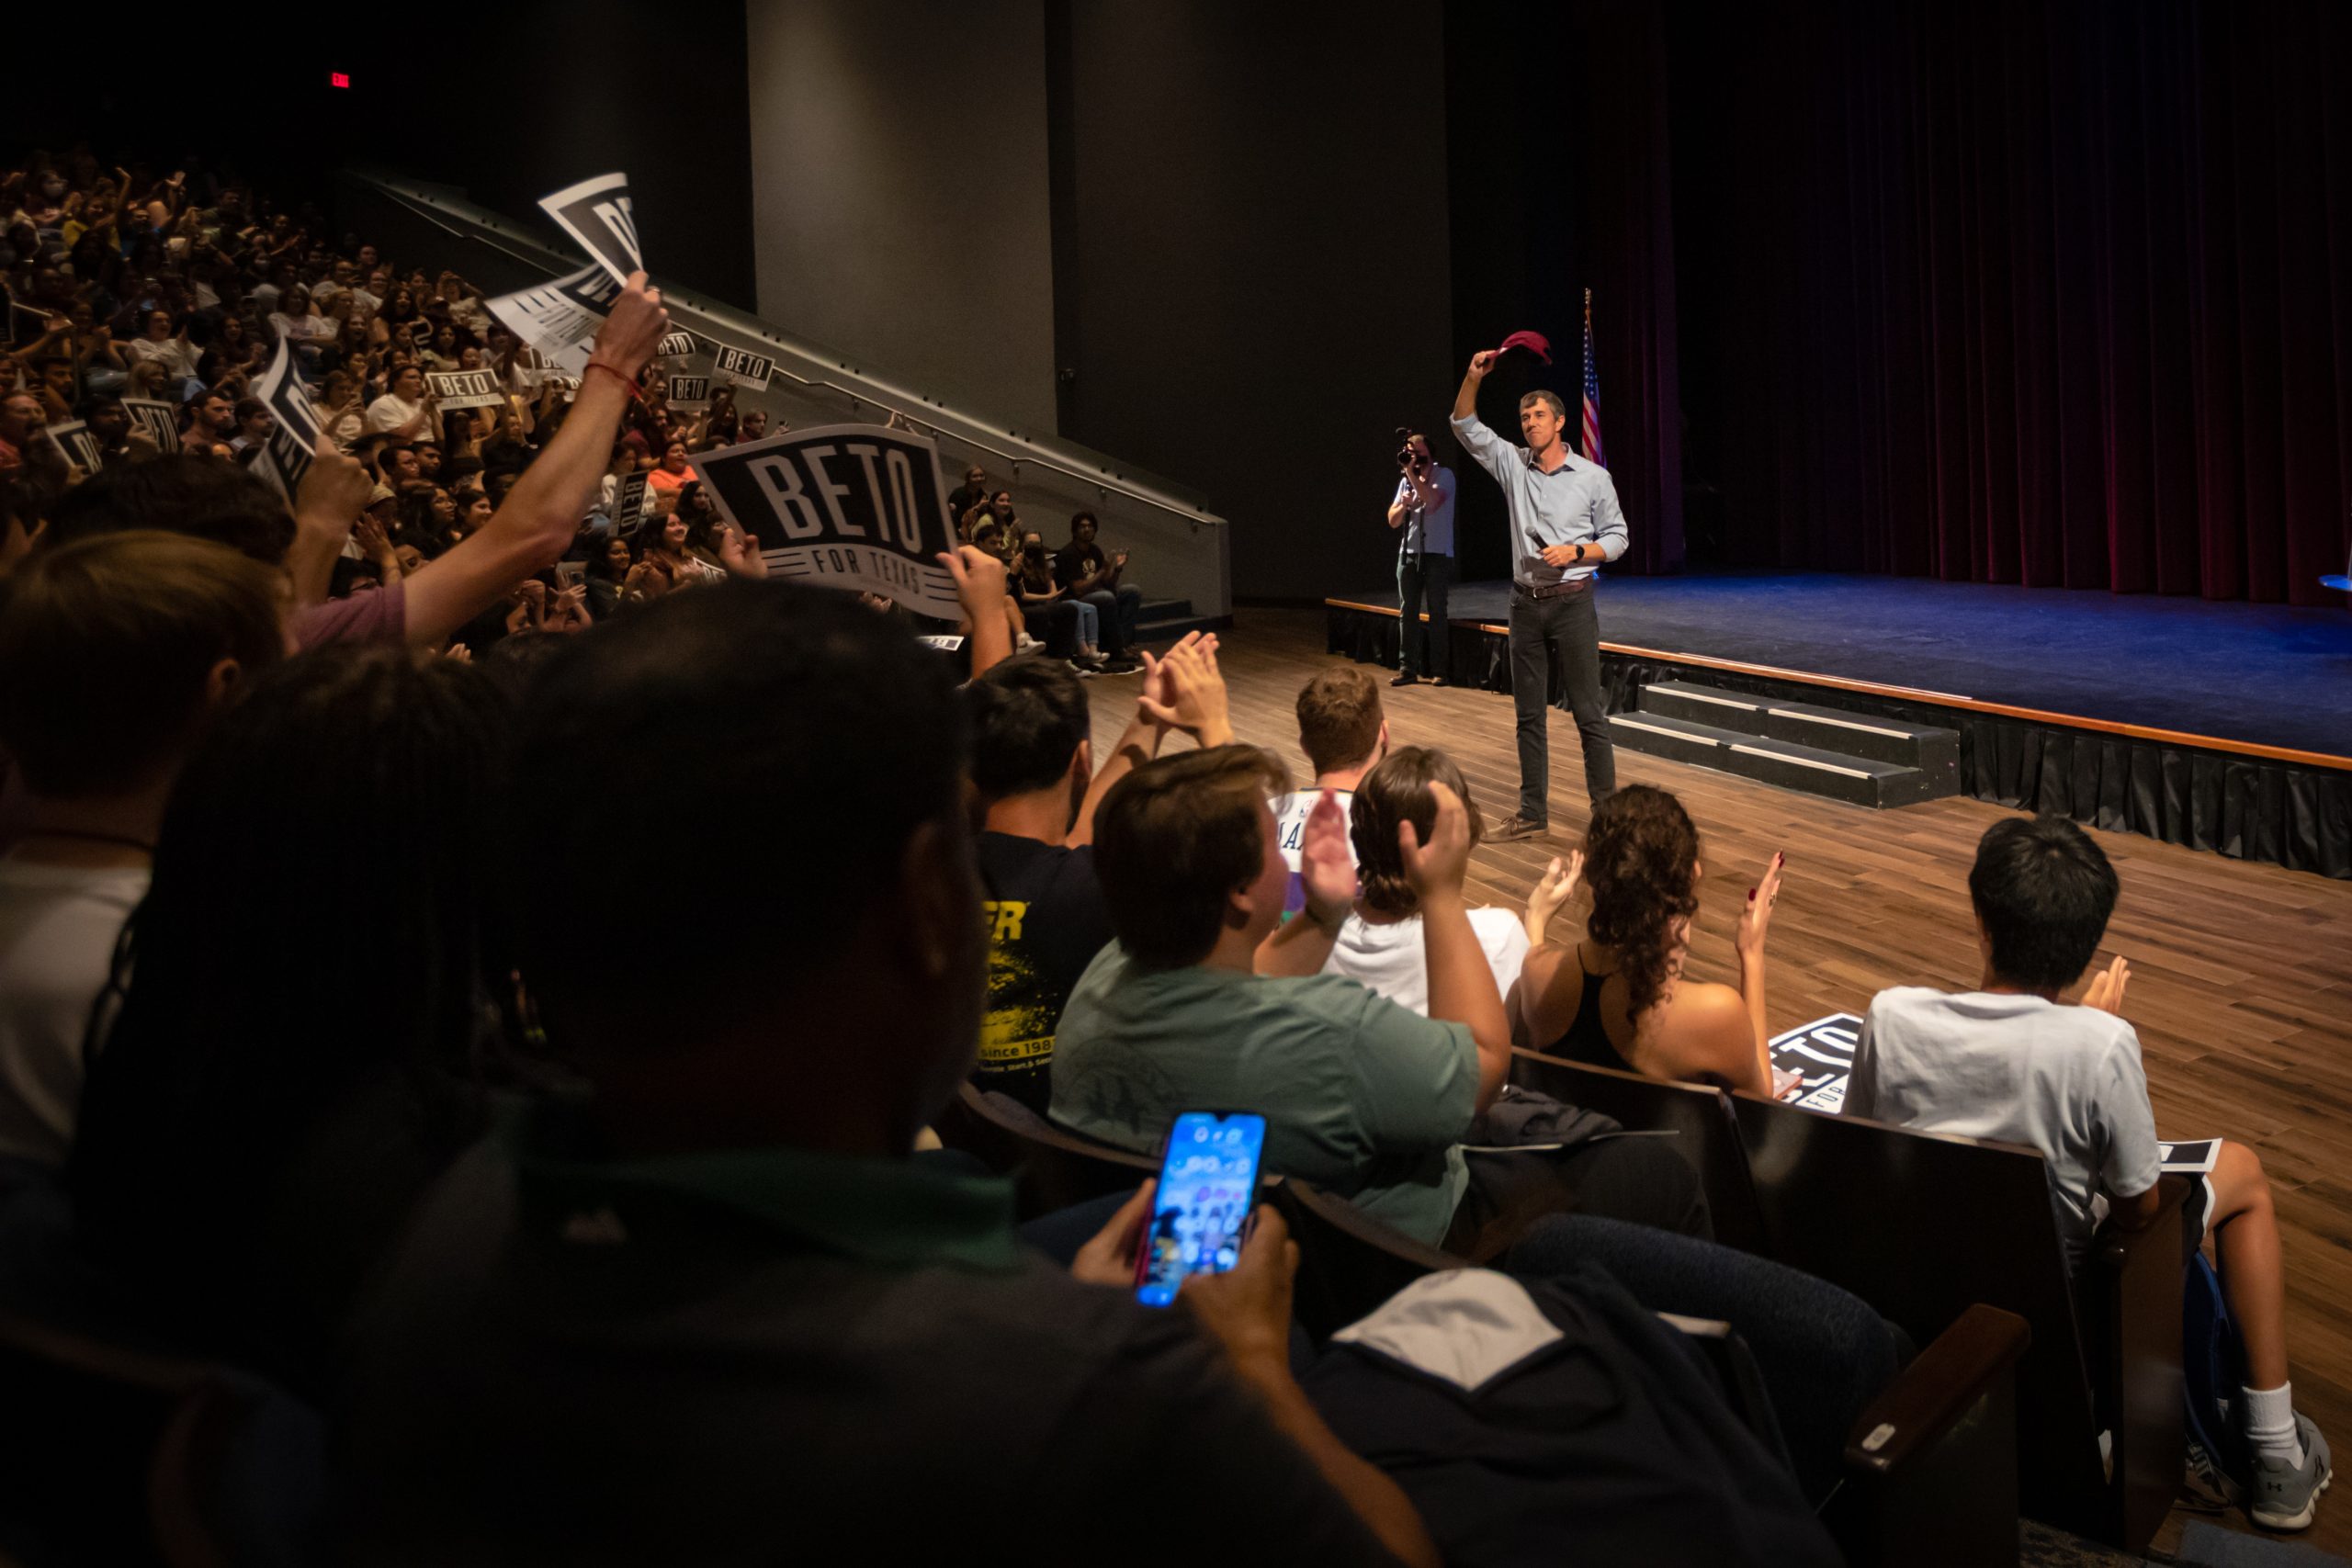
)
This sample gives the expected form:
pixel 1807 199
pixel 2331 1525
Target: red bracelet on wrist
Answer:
pixel 634 389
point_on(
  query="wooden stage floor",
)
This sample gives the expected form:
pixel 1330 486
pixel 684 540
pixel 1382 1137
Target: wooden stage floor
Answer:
pixel 2242 973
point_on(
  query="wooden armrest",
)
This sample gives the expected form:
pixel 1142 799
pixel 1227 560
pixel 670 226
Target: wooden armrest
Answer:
pixel 1937 1389
pixel 2128 1300
pixel 2114 1247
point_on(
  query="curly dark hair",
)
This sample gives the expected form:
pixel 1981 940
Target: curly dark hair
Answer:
pixel 1641 859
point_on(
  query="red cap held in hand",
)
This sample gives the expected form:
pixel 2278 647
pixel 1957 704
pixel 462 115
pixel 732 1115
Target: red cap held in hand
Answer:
pixel 1535 343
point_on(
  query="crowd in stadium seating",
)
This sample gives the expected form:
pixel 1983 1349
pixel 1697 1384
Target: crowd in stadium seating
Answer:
pixel 491 994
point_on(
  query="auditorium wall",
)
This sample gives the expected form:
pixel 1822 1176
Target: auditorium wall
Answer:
pixel 899 192
pixel 1208 239
pixel 1253 269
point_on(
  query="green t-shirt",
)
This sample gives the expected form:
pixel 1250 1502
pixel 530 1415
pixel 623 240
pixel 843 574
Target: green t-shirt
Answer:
pixel 1360 1096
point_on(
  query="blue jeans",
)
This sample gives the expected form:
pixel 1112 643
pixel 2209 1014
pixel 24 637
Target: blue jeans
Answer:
pixel 1118 607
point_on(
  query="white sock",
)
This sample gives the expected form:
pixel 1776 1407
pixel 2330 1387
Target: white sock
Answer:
pixel 2270 1424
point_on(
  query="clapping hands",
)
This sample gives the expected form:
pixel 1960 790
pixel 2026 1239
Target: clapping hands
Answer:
pixel 1552 893
pixel 1327 872
pixel 1436 868
pixel 1185 691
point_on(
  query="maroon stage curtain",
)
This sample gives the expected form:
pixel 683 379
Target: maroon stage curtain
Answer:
pixel 2038 291
pixel 1624 244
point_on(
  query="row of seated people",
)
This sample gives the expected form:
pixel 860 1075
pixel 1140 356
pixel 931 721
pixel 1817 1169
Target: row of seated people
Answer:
pixel 1383 1051
pixel 632 1262
pixel 301 1040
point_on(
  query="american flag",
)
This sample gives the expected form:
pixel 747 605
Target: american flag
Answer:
pixel 1591 392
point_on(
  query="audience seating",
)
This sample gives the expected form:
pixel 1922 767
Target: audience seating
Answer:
pixel 1709 1135
pixel 1051 1169
pixel 118 1455
pixel 1923 1226
pixel 1929 1468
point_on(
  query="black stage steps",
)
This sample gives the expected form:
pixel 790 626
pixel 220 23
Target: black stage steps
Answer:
pixel 1165 620
pixel 1855 757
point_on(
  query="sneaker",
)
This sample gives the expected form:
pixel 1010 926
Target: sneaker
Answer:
pixel 2285 1499
pixel 1084 667
pixel 1122 664
pixel 2207 1484
pixel 1516 827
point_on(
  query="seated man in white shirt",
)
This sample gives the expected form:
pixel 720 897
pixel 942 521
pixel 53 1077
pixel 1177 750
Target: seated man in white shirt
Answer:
pixel 1343 732
pixel 2010 1061
pixel 1380 944
pixel 114 652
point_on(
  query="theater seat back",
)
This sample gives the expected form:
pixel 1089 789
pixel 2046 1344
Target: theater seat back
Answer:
pixel 1706 1132
pixel 1921 1226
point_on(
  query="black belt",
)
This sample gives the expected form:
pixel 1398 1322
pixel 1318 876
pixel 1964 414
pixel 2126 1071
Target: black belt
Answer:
pixel 1554 590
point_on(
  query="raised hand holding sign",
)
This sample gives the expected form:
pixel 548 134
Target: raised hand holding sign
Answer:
pixel 858 506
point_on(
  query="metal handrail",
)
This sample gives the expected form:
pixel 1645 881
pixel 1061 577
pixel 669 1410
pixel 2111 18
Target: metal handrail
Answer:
pixel 496 232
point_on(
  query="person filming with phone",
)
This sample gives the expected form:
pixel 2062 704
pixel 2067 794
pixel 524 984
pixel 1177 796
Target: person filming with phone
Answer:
pixel 1422 513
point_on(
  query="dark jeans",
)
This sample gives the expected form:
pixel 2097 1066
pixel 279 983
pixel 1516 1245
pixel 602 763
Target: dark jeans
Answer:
pixel 1824 1353
pixel 1118 607
pixel 1416 576
pixel 1641 1181
pixel 1055 626
pixel 1537 627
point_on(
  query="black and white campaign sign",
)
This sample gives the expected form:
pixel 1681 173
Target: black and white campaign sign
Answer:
pixel 464 388
pixel 629 502
pixel 857 506
pixel 743 368
pixel 294 436
pixel 158 420
pixel 689 392
pixel 78 441
pixel 1822 1053
pixel 677 345
pixel 561 319
pixel 598 213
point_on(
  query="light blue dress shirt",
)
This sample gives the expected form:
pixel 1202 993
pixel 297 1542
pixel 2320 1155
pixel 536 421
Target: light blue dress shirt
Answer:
pixel 1575 503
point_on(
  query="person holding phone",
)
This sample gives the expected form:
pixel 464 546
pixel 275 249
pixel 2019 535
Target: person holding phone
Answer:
pixel 649 1299
pixel 1209 998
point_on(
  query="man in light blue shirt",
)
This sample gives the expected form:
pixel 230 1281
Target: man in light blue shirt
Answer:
pixel 1422 509
pixel 1563 524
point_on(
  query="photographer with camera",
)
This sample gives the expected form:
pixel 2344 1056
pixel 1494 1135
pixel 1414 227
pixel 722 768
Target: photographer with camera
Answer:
pixel 1423 508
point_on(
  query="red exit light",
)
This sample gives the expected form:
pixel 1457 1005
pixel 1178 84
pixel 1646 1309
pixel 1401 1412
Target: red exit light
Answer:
pixel 338 79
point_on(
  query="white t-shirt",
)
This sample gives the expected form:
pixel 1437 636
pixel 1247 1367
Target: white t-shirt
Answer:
pixel 302 329
pixel 2066 1080
pixel 58 926
pixel 345 426
pixel 178 354
pixel 389 412
pixel 1392 960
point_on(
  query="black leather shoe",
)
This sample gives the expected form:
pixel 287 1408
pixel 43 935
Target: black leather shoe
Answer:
pixel 1404 680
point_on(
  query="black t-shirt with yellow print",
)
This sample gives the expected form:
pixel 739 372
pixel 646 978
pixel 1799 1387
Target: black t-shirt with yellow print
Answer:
pixel 1043 912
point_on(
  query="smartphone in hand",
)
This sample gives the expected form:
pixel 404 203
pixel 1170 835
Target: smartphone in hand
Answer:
pixel 1208 1189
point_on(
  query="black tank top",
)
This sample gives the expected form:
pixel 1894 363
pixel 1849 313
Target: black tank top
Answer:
pixel 1585 1040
